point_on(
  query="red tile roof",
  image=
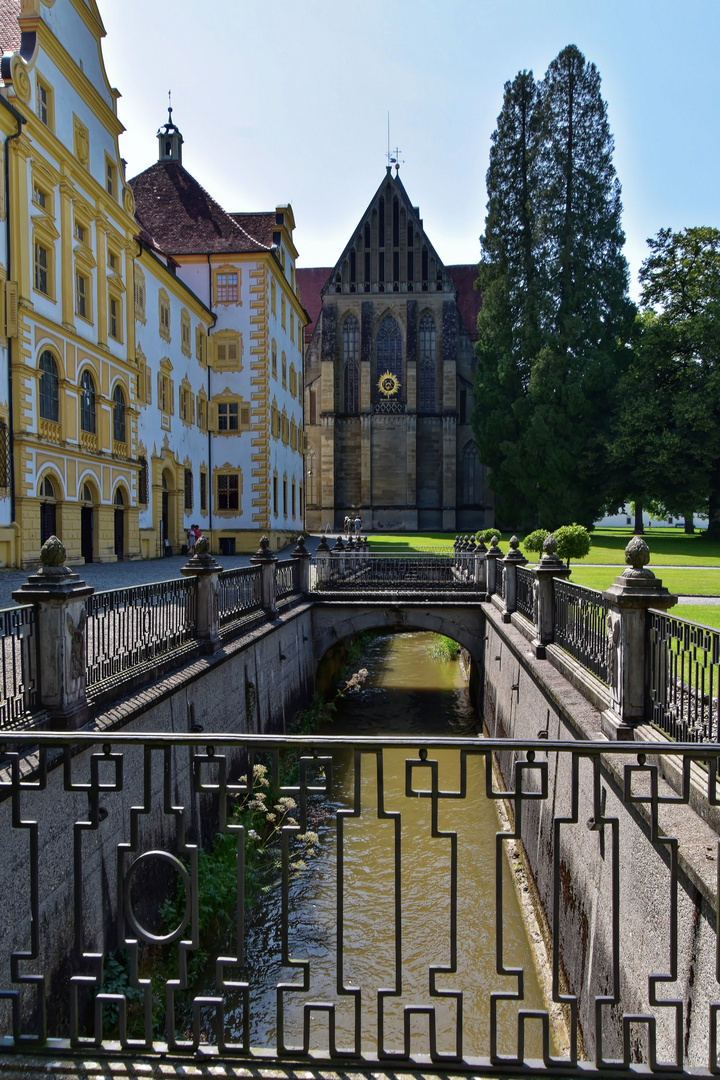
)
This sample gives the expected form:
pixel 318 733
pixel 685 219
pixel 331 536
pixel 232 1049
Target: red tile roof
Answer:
pixel 183 219
pixel 9 26
pixel 469 301
pixel 260 225
pixel 311 280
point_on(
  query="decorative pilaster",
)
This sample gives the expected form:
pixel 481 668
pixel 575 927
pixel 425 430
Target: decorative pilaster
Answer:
pixel 512 560
pixel 634 591
pixel 58 596
pixel 265 559
pixel 203 567
pixel 548 568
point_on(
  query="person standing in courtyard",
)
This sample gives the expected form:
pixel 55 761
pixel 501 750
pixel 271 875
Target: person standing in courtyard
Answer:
pixel 358 525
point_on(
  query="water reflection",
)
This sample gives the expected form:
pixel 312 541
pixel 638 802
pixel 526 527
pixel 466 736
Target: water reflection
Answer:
pixel 392 926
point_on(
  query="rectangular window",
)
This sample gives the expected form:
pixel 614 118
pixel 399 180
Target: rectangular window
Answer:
pixel 203 492
pixel 227 288
pixel 313 407
pixel 275 496
pixel 112 260
pixel 292 326
pixel 80 296
pixel 188 489
pixel 284 496
pixel 110 184
pixel 201 413
pixel 43 103
pixel 41 269
pixel 200 344
pixel 114 327
pixel 227 416
pixel 79 232
pixel 228 492
pixel 282 312
pixel 292 499
pixel 39 197
pixel 139 290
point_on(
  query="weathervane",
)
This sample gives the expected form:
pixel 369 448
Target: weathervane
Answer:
pixel 393 156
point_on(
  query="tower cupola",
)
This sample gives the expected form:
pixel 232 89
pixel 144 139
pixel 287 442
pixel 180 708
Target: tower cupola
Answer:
pixel 170 140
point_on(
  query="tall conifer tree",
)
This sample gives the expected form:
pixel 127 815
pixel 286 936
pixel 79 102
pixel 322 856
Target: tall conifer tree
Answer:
pixel 577 317
pixel 508 322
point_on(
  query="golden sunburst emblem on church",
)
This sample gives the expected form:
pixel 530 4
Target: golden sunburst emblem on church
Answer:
pixel 388 384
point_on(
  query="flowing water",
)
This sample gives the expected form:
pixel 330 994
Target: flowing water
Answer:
pixel 395 873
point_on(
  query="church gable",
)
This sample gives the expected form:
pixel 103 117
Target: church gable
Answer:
pixel 389 251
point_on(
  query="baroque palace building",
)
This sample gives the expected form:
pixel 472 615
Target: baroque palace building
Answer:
pixel 389 367
pixel 150 342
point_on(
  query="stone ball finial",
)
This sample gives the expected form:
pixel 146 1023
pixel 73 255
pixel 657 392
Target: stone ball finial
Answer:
pixel 53 552
pixel 264 544
pixel 549 545
pixel 514 543
pixel 637 556
pixel 637 553
pixel 202 545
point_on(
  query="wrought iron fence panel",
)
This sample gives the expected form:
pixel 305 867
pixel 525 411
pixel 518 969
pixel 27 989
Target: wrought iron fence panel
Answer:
pixel 287 578
pixel 580 616
pixel 19 692
pixel 525 595
pixel 500 571
pixel 684 673
pixel 126 628
pixel 380 573
pixel 239 594
pixel 260 896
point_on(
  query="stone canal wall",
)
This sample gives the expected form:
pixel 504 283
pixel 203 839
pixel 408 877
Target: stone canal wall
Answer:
pixel 523 698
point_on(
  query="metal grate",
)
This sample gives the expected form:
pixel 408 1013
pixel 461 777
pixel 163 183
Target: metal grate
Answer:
pixel 109 828
pixel 684 668
pixel 126 628
pixel 239 594
pixel 580 617
pixel 18 663
pixel 287 579
pixel 525 594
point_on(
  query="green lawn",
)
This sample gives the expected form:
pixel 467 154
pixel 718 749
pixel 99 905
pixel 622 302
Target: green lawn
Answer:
pixel 690 582
pixel 669 547
pixel 705 614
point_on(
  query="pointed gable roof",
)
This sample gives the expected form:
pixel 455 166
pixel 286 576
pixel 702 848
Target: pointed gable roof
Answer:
pixel 183 219
pixel 390 187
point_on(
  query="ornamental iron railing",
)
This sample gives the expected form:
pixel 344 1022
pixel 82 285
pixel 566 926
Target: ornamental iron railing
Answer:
pixel 328 908
pixel 525 596
pixel 18 664
pixel 287 577
pixel 239 595
pixel 127 628
pixel 684 678
pixel 358 571
pixel 500 579
pixel 580 625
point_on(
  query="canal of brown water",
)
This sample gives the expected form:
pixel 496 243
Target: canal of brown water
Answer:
pixel 399 925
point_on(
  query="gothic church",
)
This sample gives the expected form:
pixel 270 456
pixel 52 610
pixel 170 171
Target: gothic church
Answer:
pixel 389 380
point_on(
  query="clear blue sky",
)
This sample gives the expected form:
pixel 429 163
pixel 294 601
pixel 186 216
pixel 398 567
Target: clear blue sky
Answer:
pixel 287 101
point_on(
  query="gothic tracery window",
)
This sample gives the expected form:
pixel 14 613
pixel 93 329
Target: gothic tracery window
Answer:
pixel 351 371
pixel 471 476
pixel 389 348
pixel 426 402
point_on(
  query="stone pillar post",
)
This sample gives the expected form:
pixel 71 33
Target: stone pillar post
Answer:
pixel 481 566
pixel 203 567
pixel 493 554
pixel 265 559
pixel 512 560
pixel 58 596
pixel 303 557
pixel 322 555
pixel 634 591
pixel 337 555
pixel 548 568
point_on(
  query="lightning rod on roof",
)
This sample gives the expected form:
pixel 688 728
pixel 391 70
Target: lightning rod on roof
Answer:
pixel 393 156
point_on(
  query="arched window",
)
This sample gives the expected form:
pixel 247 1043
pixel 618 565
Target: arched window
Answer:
pixel 86 495
pixel 471 476
pixel 351 371
pixel 87 402
pixel 48 510
pixel 49 388
pixel 119 499
pixel 389 348
pixel 119 431
pixel 426 374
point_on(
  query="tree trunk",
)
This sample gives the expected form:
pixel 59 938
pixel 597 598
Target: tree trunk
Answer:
pixel 639 528
pixel 690 523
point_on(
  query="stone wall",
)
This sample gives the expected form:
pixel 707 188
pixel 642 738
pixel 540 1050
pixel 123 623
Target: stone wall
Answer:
pixel 253 686
pixel 524 697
